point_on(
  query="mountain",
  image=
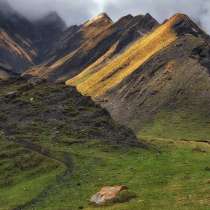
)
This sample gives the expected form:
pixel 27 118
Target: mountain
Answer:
pixel 24 43
pixel 16 55
pixel 48 30
pixel 6 9
pixel 134 112
pixel 156 74
pixel 16 52
pixel 96 40
pixel 101 80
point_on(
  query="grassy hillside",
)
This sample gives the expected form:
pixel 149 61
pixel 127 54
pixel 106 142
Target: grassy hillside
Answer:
pixel 60 162
pixel 38 123
pixel 176 178
pixel 51 110
pixel 178 125
pixel 24 174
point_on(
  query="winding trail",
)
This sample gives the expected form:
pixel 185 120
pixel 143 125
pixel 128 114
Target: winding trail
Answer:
pixel 181 141
pixel 65 160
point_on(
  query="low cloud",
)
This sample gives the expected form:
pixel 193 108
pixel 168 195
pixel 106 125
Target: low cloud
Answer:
pixel 199 10
pixel 72 11
pixel 76 12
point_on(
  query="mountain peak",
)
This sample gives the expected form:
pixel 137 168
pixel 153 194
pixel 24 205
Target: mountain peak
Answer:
pixel 102 17
pixel 182 24
pixel 52 18
pixel 179 17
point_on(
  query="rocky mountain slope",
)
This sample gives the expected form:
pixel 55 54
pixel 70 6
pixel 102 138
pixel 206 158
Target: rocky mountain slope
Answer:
pixel 92 43
pixel 158 72
pixel 98 82
pixel 16 50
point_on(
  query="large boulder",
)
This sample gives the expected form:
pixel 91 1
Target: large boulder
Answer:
pixel 111 194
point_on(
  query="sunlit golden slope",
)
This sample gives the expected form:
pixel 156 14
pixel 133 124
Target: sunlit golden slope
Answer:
pixel 94 67
pixel 97 83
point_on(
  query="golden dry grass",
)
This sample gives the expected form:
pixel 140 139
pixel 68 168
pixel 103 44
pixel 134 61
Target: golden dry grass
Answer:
pixel 94 67
pixel 97 83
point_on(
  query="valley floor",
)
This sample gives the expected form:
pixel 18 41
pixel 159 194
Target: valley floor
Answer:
pixel 172 175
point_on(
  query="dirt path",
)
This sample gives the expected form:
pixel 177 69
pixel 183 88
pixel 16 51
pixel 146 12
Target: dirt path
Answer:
pixel 182 142
pixel 65 160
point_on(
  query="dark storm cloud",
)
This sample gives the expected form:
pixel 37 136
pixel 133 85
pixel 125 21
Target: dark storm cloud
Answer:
pixel 77 11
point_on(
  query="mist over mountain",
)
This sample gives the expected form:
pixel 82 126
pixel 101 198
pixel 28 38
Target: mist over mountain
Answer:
pixel 198 10
pixel 75 12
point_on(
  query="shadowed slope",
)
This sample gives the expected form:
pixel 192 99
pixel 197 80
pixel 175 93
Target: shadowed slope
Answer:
pixel 176 78
pixel 14 56
pixel 24 43
pixel 59 109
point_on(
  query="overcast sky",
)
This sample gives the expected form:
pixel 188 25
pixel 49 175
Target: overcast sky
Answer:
pixel 77 11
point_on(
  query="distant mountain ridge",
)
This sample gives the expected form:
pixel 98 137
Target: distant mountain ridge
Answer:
pixel 21 36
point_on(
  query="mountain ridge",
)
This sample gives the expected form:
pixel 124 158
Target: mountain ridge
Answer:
pixel 143 84
pixel 96 45
pixel 160 32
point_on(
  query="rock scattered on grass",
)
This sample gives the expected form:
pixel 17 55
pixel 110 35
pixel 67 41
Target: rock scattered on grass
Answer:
pixel 112 194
